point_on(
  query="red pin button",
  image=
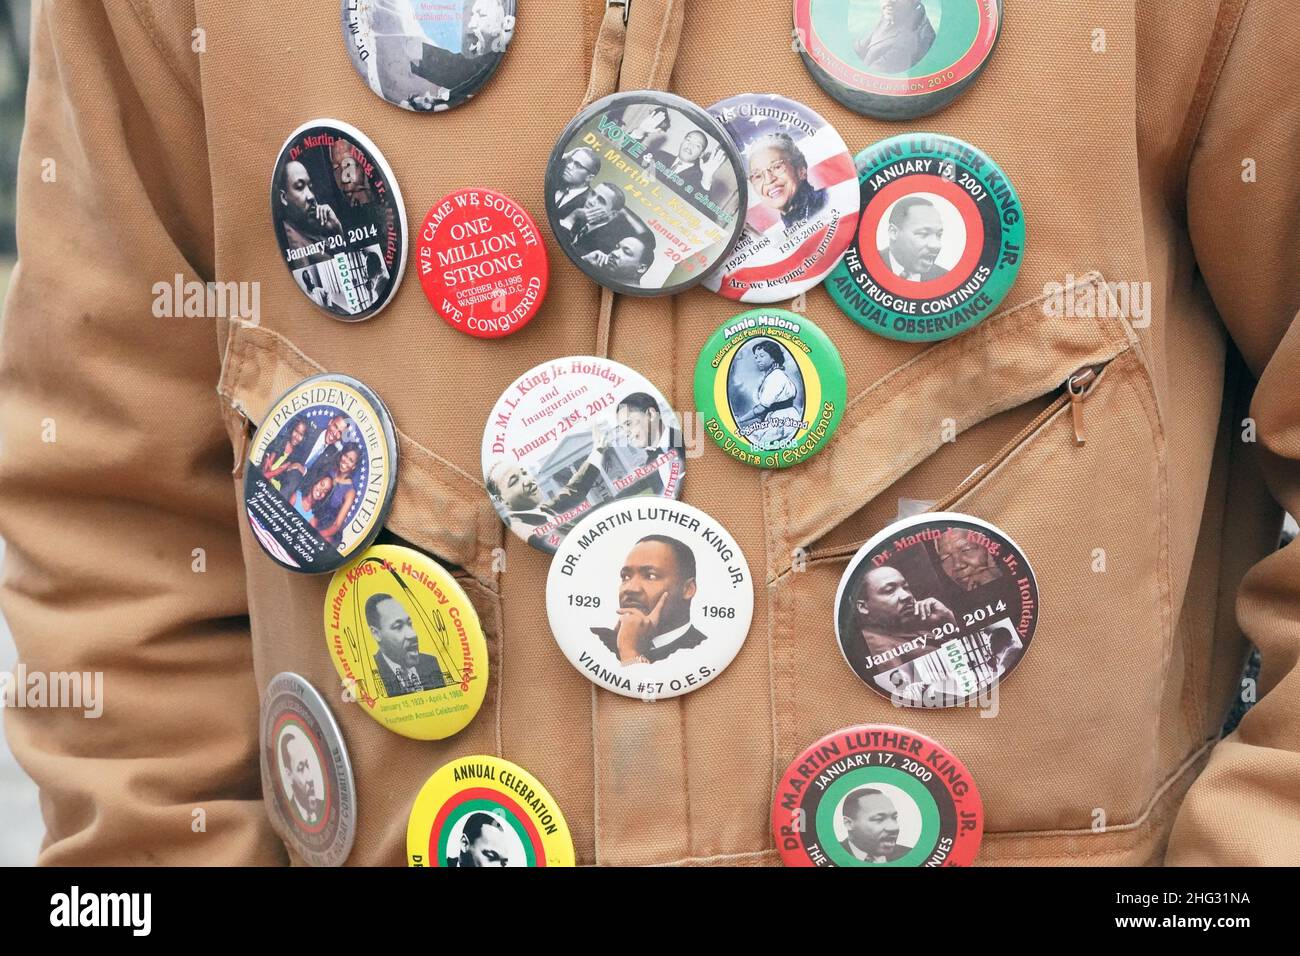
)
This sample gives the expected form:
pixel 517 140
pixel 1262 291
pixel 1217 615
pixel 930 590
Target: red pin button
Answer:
pixel 482 262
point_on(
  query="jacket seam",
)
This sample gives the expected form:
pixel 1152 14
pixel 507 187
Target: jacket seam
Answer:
pixel 150 27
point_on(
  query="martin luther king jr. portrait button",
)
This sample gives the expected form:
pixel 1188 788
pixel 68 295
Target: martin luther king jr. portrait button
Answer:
pixel 877 795
pixel 571 435
pixel 486 812
pixel 339 219
pixel 427 55
pixel 482 263
pixel 936 609
pixel 896 59
pixel 645 192
pixel 320 473
pixel 649 599
pixel 771 388
pixel 406 642
pixel 306 772
pixel 939 242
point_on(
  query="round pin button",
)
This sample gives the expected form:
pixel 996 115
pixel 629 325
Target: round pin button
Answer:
pixel 650 599
pixel 423 56
pixel 406 642
pixel 485 811
pixel 320 473
pixel 571 435
pixel 876 795
pixel 936 609
pixel 896 59
pixel 482 262
pixel 803 199
pixel 339 219
pixel 645 192
pixel 939 243
pixel 771 388
pixel 306 772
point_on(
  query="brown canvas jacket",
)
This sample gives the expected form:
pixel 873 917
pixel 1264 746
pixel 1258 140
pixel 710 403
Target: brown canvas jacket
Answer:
pixel 1151 142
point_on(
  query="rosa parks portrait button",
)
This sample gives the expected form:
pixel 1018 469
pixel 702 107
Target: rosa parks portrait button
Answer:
pixel 935 609
pixel 572 434
pixel 649 599
pixel 320 473
pixel 485 811
pixel 771 388
pixel 339 219
pixel 406 642
pixel 645 192
pixel 939 243
pixel 896 59
pixel 306 771
pixel 803 199
pixel 877 796
pixel 426 56
pixel 482 263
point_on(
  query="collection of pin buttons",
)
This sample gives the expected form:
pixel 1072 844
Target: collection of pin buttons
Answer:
pixel 758 199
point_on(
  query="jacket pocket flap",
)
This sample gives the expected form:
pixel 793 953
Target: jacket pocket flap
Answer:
pixel 437 506
pixel 898 421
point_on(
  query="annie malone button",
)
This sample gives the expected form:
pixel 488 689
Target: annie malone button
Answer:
pixel 320 473
pixel 645 192
pixel 935 609
pixel 427 56
pixel 939 243
pixel 649 599
pixel 803 199
pixel 339 219
pixel 306 773
pixel 896 59
pixel 876 795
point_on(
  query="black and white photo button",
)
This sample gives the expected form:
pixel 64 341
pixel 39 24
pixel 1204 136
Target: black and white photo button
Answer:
pixel 650 599
pixel 427 55
pixel 339 219
pixel 936 609
pixel 646 193
pixel 306 772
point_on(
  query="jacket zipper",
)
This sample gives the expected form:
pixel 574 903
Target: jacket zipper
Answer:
pixel 1076 389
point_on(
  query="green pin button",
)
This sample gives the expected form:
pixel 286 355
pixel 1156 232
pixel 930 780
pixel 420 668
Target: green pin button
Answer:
pixel 771 388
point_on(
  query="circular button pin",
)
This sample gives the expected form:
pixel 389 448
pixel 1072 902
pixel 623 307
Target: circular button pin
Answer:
pixel 320 473
pixel 306 772
pixel 427 57
pixel 339 219
pixel 896 59
pixel 573 434
pixel 645 192
pixel 482 262
pixel 939 242
pixel 803 199
pixel 650 599
pixel 485 811
pixel 406 642
pixel 936 609
pixel 771 388
pixel 876 795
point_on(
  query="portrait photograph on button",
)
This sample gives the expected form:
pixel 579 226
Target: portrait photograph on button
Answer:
pixel 426 56
pixel 645 193
pixel 339 219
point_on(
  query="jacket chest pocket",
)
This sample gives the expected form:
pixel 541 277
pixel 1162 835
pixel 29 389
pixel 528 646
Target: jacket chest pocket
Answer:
pixel 1080 487
pixel 437 509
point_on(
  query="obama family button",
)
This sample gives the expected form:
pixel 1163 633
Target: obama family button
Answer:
pixel 406 642
pixel 483 811
pixel 939 243
pixel 572 434
pixel 649 599
pixel 936 609
pixel 876 795
pixel 896 59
